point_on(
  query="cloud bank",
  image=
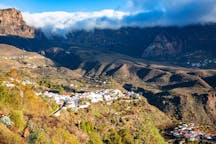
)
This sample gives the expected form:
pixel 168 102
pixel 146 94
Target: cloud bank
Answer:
pixel 62 22
pixel 138 13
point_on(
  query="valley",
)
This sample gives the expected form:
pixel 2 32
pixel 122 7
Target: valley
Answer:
pixel 129 85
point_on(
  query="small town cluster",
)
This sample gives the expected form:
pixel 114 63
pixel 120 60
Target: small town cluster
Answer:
pixel 191 132
pixel 83 100
pixel 76 101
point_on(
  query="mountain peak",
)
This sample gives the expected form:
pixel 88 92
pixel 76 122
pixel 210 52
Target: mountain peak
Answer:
pixel 12 23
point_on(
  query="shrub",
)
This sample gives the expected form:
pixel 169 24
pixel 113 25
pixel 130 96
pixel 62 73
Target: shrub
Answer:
pixel 9 97
pixel 38 137
pixel 60 89
pixel 149 134
pixel 13 73
pixel 17 118
pixel 95 138
pixel 127 138
pixel 34 104
pixel 88 127
pixel 64 137
pixel 113 137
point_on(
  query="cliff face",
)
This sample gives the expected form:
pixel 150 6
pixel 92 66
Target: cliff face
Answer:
pixel 12 23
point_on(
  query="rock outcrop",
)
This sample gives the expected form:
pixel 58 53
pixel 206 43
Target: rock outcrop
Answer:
pixel 161 46
pixel 12 23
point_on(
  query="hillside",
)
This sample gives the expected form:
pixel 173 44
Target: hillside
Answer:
pixel 31 114
pixel 182 93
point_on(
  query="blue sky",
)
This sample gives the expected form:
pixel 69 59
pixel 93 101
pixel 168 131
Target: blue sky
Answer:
pixel 63 5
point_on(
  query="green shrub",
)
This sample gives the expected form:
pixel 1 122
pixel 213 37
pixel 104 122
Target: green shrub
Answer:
pixel 38 137
pixel 95 138
pixel 113 137
pixel 33 137
pixel 127 138
pixel 9 97
pixel 60 89
pixel 149 134
pixel 88 127
pixel 64 137
pixel 17 118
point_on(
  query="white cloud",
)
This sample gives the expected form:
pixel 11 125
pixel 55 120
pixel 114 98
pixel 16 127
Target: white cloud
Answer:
pixel 138 13
pixel 62 22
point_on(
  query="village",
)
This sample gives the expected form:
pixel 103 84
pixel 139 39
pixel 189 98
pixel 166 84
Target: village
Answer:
pixel 78 101
pixel 190 132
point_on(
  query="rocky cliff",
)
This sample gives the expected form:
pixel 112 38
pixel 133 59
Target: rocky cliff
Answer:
pixel 12 23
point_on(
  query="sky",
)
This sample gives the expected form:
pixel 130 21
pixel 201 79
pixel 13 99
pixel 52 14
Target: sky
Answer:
pixel 35 6
pixel 62 16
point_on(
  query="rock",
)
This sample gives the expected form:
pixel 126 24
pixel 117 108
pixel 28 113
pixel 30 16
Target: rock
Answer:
pixel 12 23
pixel 161 46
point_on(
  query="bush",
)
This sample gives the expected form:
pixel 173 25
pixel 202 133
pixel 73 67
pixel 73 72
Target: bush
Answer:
pixel 13 73
pixel 149 134
pixel 113 137
pixel 127 138
pixel 64 137
pixel 17 118
pixel 86 126
pixel 9 97
pixel 38 137
pixel 60 90
pixel 34 104
pixel 93 135
pixel 95 138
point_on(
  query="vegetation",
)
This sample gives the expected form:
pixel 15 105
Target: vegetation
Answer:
pixel 100 123
pixel 63 137
pixel 51 85
pixel 17 118
pixel 88 127
pixel 9 137
pixel 9 98
pixel 38 137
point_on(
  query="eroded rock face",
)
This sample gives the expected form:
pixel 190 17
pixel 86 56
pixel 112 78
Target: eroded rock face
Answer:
pixel 12 23
pixel 161 46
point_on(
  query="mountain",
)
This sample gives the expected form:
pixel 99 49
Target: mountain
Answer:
pixel 161 63
pixel 11 23
pixel 190 46
pixel 184 93
pixel 26 114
